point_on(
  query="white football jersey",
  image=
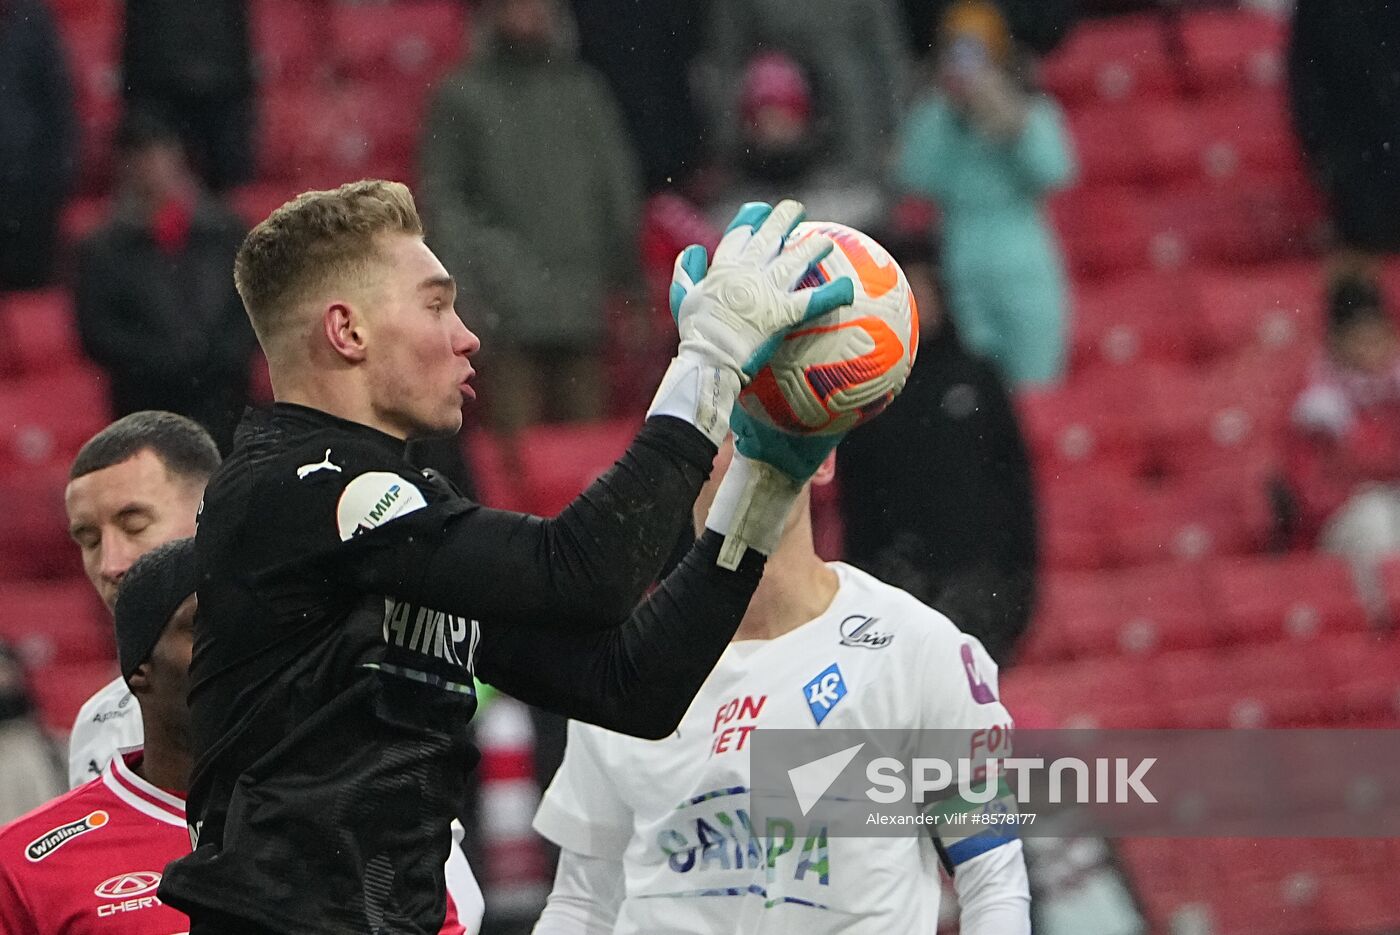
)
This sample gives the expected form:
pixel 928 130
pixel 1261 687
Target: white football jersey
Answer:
pixel 675 812
pixel 107 722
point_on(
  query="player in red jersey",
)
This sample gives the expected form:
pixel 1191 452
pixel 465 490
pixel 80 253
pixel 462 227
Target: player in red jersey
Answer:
pixel 90 861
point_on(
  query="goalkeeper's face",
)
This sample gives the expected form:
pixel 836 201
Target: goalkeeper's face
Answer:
pixel 415 348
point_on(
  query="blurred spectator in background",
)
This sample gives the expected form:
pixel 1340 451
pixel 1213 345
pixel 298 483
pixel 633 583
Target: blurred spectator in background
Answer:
pixel 987 150
pixel 1344 71
pixel 936 494
pixel 1344 444
pixel 29 771
pixel 192 64
pixel 855 45
pixel 155 299
pixel 645 50
pixel 38 143
pixel 1038 25
pixel 532 197
pixel 786 145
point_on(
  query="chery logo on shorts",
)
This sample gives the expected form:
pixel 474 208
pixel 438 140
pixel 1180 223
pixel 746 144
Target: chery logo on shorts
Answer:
pixel 50 841
pixel 127 885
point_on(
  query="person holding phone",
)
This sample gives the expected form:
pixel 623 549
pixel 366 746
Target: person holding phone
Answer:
pixel 988 150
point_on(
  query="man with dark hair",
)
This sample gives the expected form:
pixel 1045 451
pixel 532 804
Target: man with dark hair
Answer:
pixel 155 305
pixel 93 857
pixel 135 485
pixel 184 447
pixel 348 600
pixel 135 809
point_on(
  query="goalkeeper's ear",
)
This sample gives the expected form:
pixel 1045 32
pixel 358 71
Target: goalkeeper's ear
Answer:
pixel 827 472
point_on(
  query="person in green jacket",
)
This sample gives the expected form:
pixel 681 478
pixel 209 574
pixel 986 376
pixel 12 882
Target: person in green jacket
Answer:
pixel 526 138
pixel 988 152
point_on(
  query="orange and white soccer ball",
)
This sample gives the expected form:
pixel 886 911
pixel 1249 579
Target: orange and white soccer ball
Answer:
pixel 844 367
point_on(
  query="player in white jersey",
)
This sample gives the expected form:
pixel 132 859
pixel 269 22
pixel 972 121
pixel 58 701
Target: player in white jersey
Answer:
pixel 134 485
pixel 655 835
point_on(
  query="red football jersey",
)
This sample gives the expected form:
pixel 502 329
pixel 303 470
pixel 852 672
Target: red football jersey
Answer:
pixel 90 861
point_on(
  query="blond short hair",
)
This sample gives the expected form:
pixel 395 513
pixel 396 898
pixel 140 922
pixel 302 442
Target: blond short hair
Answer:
pixel 317 238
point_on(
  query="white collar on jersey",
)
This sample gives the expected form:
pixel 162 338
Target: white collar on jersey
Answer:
pixel 140 794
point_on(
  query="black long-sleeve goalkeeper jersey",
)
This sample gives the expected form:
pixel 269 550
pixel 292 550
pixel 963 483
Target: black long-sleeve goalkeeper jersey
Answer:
pixel 345 601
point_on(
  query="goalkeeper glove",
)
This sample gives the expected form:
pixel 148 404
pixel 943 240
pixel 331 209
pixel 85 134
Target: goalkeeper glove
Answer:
pixel 732 316
pixel 769 470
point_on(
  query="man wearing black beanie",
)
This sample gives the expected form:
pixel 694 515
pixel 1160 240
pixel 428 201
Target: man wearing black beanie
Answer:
pixel 103 847
pixel 155 638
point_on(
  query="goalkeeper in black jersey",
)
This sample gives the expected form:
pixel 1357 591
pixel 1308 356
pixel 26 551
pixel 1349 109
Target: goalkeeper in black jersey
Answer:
pixel 346 600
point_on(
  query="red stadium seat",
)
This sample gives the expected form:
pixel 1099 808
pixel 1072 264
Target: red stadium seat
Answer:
pixel 561 460
pixel 1248 131
pixel 60 691
pixel 556 462
pixel 1090 422
pixel 1275 685
pixel 1296 597
pixel 55 623
pixel 34 540
pixel 48 417
pixel 1390 283
pixel 1133 612
pixel 1104 231
pixel 1182 521
pixel 1109 144
pixel 417 41
pixel 1234 48
pixel 1131 318
pixel 1242 219
pixel 1365 671
pixel 1075 510
pixel 1227 417
pixel 253 203
pixel 498 485
pixel 289 41
pixel 1111 60
pixel 1105 693
pixel 1390 585
pixel 1269 307
pixel 1361 904
pixel 70 12
pixel 38 331
pixel 1173 141
pixel 318 137
pixel 93 40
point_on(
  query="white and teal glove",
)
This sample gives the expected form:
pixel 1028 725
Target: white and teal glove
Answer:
pixel 769 469
pixel 731 315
